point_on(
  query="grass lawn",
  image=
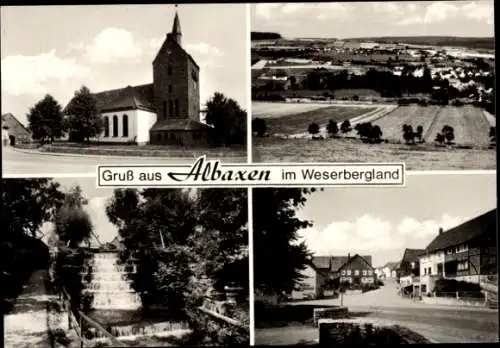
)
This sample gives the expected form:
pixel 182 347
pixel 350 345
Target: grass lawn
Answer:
pixel 418 157
pixel 236 152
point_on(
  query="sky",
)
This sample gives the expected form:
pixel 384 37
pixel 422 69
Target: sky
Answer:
pixel 382 222
pixel 57 49
pixel 364 19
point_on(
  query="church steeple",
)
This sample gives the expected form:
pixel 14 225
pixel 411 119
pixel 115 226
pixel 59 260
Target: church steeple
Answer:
pixel 176 29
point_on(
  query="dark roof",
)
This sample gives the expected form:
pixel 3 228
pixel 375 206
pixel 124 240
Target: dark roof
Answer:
pixel 174 124
pixel 482 225
pixel 334 263
pixel 171 40
pixel 412 255
pixel 321 262
pixel 137 97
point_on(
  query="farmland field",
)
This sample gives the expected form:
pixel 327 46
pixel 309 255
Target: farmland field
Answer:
pixel 288 118
pixel 392 123
pixel 419 157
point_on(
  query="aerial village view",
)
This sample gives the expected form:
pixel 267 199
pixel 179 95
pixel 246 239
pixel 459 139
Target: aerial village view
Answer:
pixel 351 82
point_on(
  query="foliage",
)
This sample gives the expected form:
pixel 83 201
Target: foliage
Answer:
pixel 408 134
pixel 332 128
pixel 449 133
pixel 452 285
pixel 279 256
pixel 227 118
pixel 259 126
pixel 369 132
pixel 313 129
pixel 46 119
pixel 345 127
pixel 72 223
pixel 83 119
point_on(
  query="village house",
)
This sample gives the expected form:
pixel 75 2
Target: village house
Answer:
pixel 13 131
pixel 467 252
pixel 166 111
pixel 389 270
pixel 409 271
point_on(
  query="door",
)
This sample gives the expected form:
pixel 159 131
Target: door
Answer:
pixel 12 140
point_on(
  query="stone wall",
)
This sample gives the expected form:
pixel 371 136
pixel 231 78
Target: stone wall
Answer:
pixel 450 301
pixel 328 313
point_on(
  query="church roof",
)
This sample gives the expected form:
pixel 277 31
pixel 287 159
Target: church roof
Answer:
pixel 176 28
pixel 171 40
pixel 179 125
pixel 137 97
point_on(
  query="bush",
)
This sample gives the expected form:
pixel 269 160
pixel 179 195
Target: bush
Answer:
pixel 452 285
pixel 457 102
pixel 423 102
pixel 403 101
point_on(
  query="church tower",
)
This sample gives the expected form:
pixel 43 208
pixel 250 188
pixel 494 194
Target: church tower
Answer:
pixel 176 30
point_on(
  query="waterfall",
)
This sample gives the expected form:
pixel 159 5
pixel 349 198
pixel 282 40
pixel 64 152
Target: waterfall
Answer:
pixel 109 284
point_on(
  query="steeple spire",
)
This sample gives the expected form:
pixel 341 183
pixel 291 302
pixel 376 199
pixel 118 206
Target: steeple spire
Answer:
pixel 176 28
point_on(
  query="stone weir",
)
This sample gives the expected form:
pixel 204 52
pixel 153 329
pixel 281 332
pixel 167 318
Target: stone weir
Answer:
pixel 109 283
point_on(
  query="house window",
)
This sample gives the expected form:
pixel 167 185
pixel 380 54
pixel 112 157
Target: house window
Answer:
pixel 356 272
pixel 106 126
pixel 177 108
pixel 169 88
pixel 169 70
pixel 364 272
pixel 343 272
pixel 115 126
pixel 430 271
pixel 125 125
pixel 348 272
pixel 369 272
pixel 413 265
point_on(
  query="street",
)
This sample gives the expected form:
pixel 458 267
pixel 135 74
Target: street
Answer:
pixel 440 324
pixel 23 162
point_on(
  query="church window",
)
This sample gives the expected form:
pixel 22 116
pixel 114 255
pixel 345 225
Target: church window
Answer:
pixel 115 126
pixel 125 125
pixel 194 75
pixel 169 88
pixel 170 109
pixel 177 108
pixel 169 69
pixel 106 126
pixel 172 136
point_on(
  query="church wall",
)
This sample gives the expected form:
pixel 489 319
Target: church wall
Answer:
pixel 194 91
pixel 177 80
pixel 181 138
pixel 145 120
pixel 132 127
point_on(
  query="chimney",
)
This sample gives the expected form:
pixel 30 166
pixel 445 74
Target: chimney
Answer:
pixel 440 230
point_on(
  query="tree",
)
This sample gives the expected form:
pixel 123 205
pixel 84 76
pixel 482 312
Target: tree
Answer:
pixel 408 134
pixel 46 119
pixel 493 133
pixel 259 126
pixel 313 129
pixel 439 138
pixel 345 127
pixel 83 119
pixel 419 133
pixel 228 120
pixel 376 134
pixel 72 223
pixel 332 128
pixel 449 133
pixel 279 256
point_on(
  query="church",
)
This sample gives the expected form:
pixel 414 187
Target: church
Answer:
pixel 166 111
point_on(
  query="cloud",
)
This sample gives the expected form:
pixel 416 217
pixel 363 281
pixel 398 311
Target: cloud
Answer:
pixel 112 44
pixel 32 75
pixel 321 11
pixel 370 234
pixel 438 12
pixel 203 48
pixel 386 8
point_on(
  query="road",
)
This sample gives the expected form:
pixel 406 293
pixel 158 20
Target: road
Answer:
pixel 16 162
pixel 441 324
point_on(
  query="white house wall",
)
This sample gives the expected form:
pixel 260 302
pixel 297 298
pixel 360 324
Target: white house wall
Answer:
pixel 431 261
pixel 145 120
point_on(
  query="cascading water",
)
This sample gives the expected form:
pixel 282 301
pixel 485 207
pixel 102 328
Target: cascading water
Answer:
pixel 109 284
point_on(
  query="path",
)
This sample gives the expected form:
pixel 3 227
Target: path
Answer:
pixel 27 324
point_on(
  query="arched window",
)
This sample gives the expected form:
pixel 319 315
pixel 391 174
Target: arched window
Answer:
pixel 106 126
pixel 125 126
pixel 115 126
pixel 177 108
pixel 170 109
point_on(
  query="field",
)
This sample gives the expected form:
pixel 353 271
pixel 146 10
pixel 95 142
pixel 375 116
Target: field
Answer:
pixel 469 123
pixel 294 118
pixel 419 157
